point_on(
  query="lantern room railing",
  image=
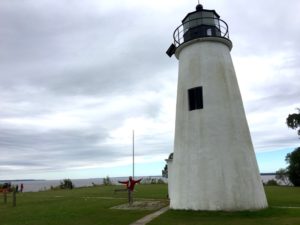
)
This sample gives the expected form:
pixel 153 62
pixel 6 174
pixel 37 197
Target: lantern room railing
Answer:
pixel 216 27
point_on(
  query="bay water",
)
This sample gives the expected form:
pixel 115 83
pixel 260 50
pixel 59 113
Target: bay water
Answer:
pixel 42 185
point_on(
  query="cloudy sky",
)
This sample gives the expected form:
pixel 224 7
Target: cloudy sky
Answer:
pixel 76 77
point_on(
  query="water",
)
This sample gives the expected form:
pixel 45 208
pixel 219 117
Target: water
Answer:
pixel 266 178
pixel 41 185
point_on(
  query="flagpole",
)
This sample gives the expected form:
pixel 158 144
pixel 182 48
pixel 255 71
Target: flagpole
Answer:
pixel 133 154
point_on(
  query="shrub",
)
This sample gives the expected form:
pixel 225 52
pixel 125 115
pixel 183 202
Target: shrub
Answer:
pixel 272 183
pixel 107 181
pixel 153 180
pixel 66 184
pixel 160 181
pixel 95 185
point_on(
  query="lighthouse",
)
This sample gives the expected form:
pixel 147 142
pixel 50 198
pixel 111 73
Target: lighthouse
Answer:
pixel 214 165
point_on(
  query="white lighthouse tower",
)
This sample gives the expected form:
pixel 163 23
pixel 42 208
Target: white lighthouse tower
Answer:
pixel 214 165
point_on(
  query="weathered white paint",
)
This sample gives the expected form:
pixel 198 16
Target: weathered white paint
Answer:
pixel 214 165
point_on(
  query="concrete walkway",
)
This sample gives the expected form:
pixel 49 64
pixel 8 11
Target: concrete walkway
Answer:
pixel 150 217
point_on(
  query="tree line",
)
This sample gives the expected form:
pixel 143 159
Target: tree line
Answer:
pixel 291 174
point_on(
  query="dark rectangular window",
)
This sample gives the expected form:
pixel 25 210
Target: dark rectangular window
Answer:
pixel 195 98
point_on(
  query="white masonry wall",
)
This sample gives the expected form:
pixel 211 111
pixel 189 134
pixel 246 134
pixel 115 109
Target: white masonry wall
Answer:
pixel 214 165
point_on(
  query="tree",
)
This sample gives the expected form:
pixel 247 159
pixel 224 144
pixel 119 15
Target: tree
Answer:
pixel 165 170
pixel 293 169
pixel 283 176
pixel 293 121
pixel 107 181
pixel 66 184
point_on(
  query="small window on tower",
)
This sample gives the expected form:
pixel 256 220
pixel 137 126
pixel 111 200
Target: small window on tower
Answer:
pixel 209 32
pixel 195 98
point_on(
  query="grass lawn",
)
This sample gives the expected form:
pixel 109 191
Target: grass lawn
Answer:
pixel 80 206
pixel 91 206
pixel 278 213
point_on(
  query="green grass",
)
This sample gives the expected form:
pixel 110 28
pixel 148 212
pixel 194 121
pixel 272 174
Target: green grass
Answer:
pixel 91 206
pixel 276 214
pixel 82 206
pixel 283 196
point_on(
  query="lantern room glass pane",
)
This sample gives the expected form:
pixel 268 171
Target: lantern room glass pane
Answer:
pixel 200 18
pixel 208 18
pixel 205 23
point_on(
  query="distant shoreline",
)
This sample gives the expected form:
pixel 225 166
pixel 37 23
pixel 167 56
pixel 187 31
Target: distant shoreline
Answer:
pixel 19 180
pixel 35 185
pixel 267 174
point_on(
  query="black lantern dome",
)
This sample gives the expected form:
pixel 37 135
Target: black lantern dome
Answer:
pixel 199 7
pixel 201 23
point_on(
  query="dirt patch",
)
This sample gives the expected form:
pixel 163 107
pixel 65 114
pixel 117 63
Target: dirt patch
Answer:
pixel 141 205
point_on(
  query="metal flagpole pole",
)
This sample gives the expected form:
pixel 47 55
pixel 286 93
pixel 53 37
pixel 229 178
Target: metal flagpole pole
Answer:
pixel 133 154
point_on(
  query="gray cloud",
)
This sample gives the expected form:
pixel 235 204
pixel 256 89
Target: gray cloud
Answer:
pixel 55 148
pixel 73 74
pixel 82 52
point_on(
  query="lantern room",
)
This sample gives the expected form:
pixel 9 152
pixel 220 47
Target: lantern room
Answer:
pixel 201 23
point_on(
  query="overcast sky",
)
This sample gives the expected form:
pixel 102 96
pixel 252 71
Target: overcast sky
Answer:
pixel 76 77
